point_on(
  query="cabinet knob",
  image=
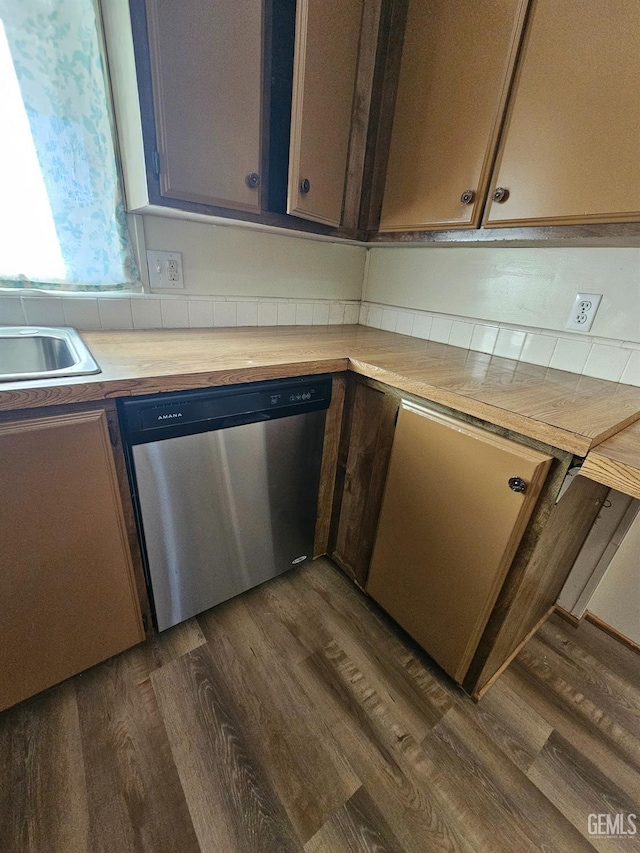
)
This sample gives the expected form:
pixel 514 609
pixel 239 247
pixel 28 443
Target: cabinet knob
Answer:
pixel 517 484
pixel 305 186
pixel 500 194
pixel 253 180
pixel 467 197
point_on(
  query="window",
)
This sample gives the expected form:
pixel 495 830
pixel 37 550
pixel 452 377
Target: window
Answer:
pixel 62 218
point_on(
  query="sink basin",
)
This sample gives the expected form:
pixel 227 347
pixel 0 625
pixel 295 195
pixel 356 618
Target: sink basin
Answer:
pixel 28 352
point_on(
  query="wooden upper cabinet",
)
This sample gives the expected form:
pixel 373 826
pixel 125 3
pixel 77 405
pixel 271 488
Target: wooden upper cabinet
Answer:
pixel 569 152
pixel 206 68
pixel 326 56
pixel 67 583
pixel 457 62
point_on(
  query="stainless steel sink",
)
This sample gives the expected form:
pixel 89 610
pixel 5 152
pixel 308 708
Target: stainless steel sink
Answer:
pixel 29 352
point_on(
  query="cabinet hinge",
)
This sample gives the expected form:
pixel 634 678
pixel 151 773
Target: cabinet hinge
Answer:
pixel 113 432
pixel 156 162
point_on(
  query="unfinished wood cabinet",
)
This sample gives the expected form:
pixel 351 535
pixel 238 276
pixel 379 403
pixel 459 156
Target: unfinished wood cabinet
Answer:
pixel 369 423
pixel 326 59
pixel 569 151
pixel 457 62
pixel 456 504
pixel 206 74
pixel 67 583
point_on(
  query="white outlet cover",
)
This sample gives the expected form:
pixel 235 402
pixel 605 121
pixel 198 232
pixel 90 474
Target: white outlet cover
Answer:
pixel 583 312
pixel 157 263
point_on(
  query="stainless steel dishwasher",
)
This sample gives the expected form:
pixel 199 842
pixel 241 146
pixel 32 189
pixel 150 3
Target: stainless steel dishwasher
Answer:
pixel 225 487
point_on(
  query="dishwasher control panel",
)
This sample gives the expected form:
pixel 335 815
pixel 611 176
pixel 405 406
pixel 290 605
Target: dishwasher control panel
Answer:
pixel 152 418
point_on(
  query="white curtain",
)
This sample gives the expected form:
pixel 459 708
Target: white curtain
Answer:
pixel 62 218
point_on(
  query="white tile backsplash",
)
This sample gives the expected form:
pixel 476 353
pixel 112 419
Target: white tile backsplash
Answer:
pixel 617 361
pixel 461 333
pixel 11 313
pixel 225 314
pixel 287 314
pixel 570 355
pixel 509 343
pixel 389 320
pixel 320 314
pixel 440 330
pixel 484 338
pixel 247 313
pixel 81 313
pixel 115 313
pixel 538 349
pixel 200 313
pixel 336 314
pixel 175 313
pixel 606 362
pixel 43 310
pixel 146 313
pixel 267 313
pixel 304 314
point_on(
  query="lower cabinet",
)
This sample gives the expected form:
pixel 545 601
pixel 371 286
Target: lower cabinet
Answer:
pixel 67 585
pixel 456 503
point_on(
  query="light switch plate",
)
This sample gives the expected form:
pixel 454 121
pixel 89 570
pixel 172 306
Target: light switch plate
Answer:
pixel 165 269
pixel 583 311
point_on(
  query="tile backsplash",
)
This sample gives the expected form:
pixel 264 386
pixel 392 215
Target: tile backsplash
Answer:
pixel 154 311
pixel 603 358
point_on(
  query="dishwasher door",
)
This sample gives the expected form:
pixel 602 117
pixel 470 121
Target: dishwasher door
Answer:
pixel 226 510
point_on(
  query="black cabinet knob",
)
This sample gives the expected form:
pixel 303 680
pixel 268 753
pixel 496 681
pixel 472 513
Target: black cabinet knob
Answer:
pixel 500 194
pixel 253 180
pixel 517 484
pixel 467 197
pixel 305 186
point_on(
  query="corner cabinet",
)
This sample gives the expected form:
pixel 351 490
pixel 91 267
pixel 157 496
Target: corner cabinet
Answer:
pixel 67 582
pixel 569 152
pixel 457 61
pixel 456 504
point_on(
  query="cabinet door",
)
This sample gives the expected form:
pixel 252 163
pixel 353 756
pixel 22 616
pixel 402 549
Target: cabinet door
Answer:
pixel 449 528
pixel 457 62
pixel 326 54
pixel 66 578
pixel 206 60
pixel 569 152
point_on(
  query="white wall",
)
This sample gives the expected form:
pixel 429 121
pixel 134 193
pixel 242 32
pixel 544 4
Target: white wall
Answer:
pixel 532 287
pixel 228 261
pixel 617 599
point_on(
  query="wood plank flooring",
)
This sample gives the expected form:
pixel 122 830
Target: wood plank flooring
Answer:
pixel 297 717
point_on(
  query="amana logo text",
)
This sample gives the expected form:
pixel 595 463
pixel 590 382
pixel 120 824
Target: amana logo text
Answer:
pixel 170 415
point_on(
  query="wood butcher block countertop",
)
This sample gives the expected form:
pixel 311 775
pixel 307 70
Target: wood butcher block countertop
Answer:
pixel 616 462
pixel 571 412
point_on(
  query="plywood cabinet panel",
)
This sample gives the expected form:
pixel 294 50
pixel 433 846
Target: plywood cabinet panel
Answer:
pixel 457 61
pixel 206 60
pixel 569 152
pixel 449 528
pixel 326 55
pixel 66 577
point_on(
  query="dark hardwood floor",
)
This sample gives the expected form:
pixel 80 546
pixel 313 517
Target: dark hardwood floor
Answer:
pixel 296 717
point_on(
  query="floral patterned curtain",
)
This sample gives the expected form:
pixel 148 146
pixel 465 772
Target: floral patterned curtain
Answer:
pixel 62 218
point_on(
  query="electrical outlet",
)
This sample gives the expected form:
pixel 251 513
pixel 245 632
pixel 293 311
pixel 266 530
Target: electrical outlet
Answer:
pixel 165 269
pixel 583 311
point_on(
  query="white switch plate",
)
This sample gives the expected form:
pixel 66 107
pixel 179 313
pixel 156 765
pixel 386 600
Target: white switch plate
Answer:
pixel 583 311
pixel 165 269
